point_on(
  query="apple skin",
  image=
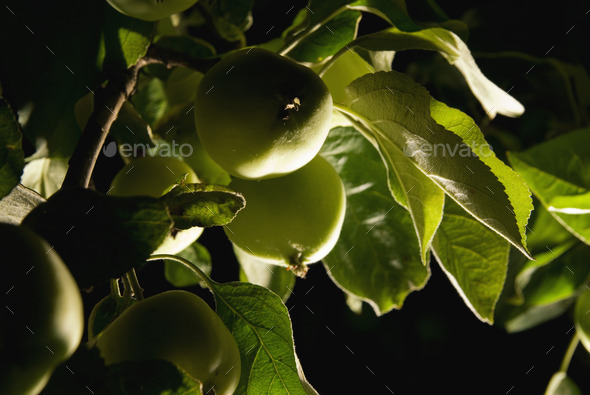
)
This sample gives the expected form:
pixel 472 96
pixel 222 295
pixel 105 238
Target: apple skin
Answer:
pixel 291 220
pixel 260 115
pixel 43 321
pixel 150 10
pixel 152 176
pixel 347 68
pixel 179 327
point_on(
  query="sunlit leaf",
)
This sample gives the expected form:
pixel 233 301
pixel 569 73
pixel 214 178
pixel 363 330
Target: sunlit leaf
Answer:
pixel 260 324
pixel 376 258
pixel 493 99
pixel 559 170
pixel 474 258
pixel 394 112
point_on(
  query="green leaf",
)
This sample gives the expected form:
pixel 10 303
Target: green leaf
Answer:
pixel 18 203
pixel 582 317
pixel 559 168
pixel 466 128
pixel 416 192
pixel 100 237
pixel 179 276
pixel 328 40
pixel 544 289
pixel 394 12
pixel 547 241
pixel 150 99
pixel 235 12
pixel 474 258
pixel 561 384
pixel 413 190
pixel 521 318
pixel 188 47
pixel 260 324
pixel 105 312
pixel 181 88
pixel 124 40
pixel 455 51
pixel 573 204
pixel 45 175
pixel 320 12
pixel 12 157
pixel 306 384
pixel 376 257
pixel 256 271
pixel 394 112
pixel 202 205
pixel 129 128
pixel 231 18
pixel 559 279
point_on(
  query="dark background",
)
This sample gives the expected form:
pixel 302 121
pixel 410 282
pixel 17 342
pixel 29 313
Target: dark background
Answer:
pixel 434 343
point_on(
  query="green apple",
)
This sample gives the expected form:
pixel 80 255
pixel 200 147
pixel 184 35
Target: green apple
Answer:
pixel 291 220
pixel 153 176
pixel 178 128
pixel 150 10
pixel 260 115
pixel 179 327
pixel 43 318
pixel 348 67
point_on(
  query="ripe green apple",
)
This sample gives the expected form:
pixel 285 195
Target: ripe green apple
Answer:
pixel 150 10
pixel 43 318
pixel 348 67
pixel 260 115
pixel 152 176
pixel 179 129
pixel 179 327
pixel 291 220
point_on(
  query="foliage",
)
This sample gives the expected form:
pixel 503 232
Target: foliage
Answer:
pixel 503 211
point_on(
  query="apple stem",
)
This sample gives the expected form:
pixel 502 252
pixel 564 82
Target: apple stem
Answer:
pixel 127 291
pixel 115 290
pixel 297 266
pixel 136 289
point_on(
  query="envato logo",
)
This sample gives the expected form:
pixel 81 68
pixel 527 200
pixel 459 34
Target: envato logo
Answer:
pixel 167 149
pixel 448 150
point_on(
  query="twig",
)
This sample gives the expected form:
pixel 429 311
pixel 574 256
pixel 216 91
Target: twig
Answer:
pixel 107 103
pixel 171 58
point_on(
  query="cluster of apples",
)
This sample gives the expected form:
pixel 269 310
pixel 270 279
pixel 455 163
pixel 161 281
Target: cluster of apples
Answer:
pixel 263 119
